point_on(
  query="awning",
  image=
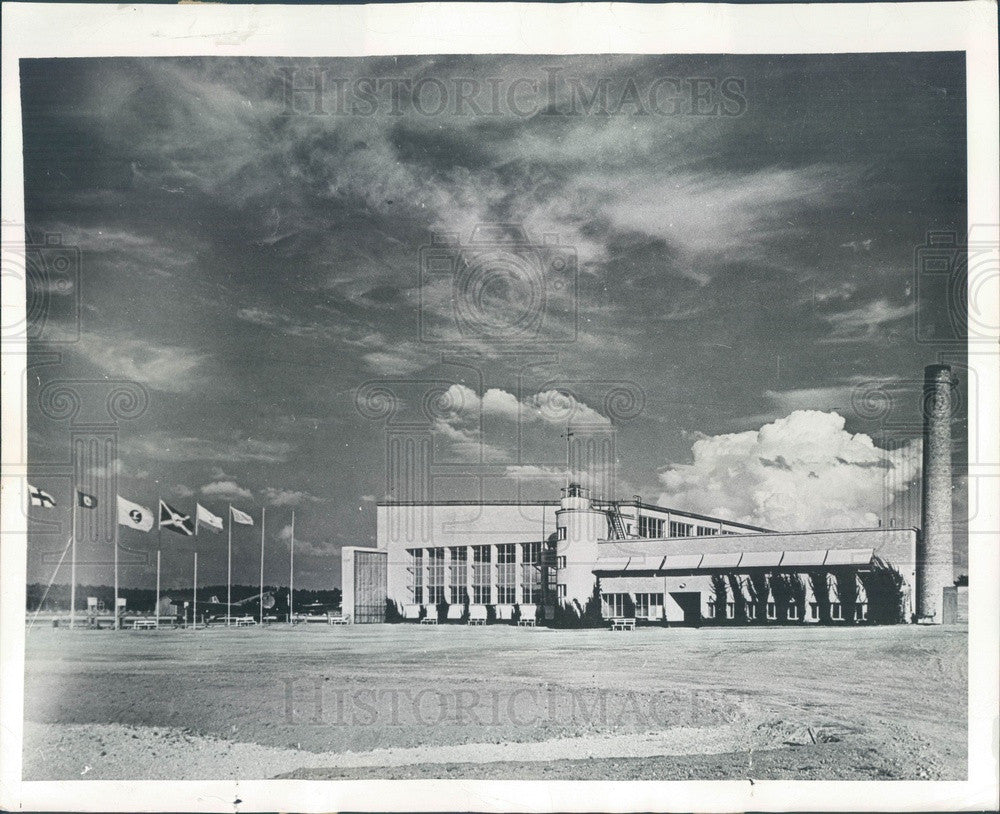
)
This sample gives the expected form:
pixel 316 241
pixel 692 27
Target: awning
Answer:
pixel 721 560
pixel 760 559
pixel 849 556
pixel 681 562
pixel 801 559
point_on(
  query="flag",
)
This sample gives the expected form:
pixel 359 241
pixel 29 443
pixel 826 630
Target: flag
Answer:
pixel 40 498
pixel 241 517
pixel 205 518
pixel 173 520
pixel 133 515
pixel 85 501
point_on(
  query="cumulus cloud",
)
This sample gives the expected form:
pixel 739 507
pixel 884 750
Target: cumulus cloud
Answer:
pixel 227 489
pixel 551 406
pixel 804 471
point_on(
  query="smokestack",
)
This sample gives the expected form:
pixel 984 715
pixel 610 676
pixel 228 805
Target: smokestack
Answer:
pixel 934 552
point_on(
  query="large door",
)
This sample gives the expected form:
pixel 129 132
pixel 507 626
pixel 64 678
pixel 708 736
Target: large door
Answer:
pixel 689 603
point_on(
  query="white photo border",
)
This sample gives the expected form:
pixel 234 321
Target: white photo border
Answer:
pixel 34 30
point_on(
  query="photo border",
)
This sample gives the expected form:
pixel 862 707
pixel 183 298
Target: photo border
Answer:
pixel 33 30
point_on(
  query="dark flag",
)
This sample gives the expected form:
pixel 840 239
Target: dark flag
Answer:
pixel 173 520
pixel 85 501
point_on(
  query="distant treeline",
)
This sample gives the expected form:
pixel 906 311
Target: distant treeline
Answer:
pixel 144 599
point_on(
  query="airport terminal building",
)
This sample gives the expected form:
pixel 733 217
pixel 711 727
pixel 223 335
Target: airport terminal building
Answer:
pixel 510 561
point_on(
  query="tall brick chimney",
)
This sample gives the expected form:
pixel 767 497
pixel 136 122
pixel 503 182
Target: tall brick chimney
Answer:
pixel 935 570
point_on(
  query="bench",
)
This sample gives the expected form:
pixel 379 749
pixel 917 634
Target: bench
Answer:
pixel 622 623
pixel 244 621
pixel 429 620
pixel 340 620
pixel 144 624
pixel 528 613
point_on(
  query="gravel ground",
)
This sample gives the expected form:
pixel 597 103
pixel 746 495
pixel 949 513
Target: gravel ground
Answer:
pixel 394 702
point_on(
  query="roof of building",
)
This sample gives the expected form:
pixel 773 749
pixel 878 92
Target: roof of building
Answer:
pixel 555 503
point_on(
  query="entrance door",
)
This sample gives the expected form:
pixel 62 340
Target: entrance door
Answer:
pixel 690 603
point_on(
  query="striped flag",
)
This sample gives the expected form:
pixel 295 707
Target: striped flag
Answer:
pixel 173 520
pixel 40 498
pixel 241 517
pixel 203 517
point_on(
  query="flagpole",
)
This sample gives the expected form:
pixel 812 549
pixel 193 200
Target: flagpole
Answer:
pixel 229 574
pixel 72 571
pixel 116 576
pixel 291 571
pixel 194 608
pixel 159 545
pixel 263 516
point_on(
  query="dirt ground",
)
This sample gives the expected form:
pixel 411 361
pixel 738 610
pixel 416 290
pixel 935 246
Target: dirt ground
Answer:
pixel 387 701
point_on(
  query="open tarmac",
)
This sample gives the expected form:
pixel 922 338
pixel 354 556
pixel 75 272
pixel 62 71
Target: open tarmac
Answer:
pixel 404 701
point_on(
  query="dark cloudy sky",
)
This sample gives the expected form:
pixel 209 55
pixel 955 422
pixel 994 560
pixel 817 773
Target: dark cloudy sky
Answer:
pixel 253 265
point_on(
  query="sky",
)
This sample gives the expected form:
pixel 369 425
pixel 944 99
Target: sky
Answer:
pixel 712 260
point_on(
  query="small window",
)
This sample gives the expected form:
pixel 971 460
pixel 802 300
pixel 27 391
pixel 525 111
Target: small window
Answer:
pixel 836 612
pixel 861 612
pixel 793 611
pixel 814 610
pixel 561 591
pixel 751 611
pixel 730 610
pixel 772 611
pixel 710 613
pixel 561 535
pixel 560 562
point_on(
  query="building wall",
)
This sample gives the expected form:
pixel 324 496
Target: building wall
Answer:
pixel 896 547
pixel 445 527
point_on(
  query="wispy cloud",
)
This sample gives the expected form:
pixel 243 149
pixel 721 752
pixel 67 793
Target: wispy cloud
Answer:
pixel 162 446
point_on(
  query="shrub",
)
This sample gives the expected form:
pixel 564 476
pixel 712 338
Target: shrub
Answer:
pixel 884 586
pixel 759 587
pixel 719 593
pixel 821 592
pixel 393 614
pixel 788 589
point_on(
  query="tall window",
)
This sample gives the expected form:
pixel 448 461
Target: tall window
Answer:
pixel 459 574
pixel 678 529
pixel 481 575
pixel 531 573
pixel 650 526
pixel 435 575
pixel 614 604
pixel 506 554
pixel 416 573
pixel 648 606
pixel 707 531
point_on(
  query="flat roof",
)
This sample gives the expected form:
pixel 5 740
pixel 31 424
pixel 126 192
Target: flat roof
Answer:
pixel 621 504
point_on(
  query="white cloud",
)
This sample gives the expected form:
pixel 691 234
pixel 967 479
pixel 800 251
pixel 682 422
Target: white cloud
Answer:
pixel 226 488
pixel 866 322
pixel 168 368
pixel 287 497
pixel 161 446
pixel 804 471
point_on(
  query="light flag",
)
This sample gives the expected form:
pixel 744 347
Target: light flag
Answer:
pixel 173 520
pixel 241 517
pixel 41 498
pixel 205 518
pixel 134 516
